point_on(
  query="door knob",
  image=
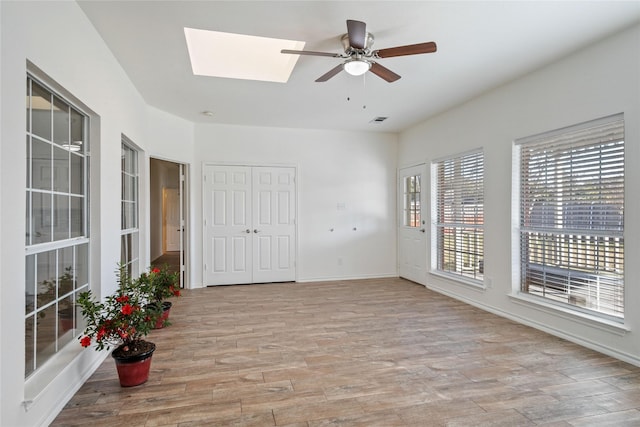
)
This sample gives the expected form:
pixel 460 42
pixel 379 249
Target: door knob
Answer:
pixel 247 231
pixel 255 230
pixel 422 230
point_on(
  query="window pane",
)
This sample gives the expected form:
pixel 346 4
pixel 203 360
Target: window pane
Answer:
pixel 60 122
pixel 65 271
pixel 41 112
pixel 41 168
pixel 77 216
pixel 29 162
pixel 77 130
pixel 60 170
pixel 46 334
pixel 28 219
pixel 82 265
pixel 128 215
pixel 77 173
pixel 29 335
pixel 46 276
pixel 40 217
pixel 412 197
pixel 61 217
pixel 30 283
pixel 66 320
pixel 28 106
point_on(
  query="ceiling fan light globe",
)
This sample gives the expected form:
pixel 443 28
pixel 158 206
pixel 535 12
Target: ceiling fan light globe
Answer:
pixel 356 67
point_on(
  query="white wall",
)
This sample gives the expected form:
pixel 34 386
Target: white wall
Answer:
pixel 599 81
pixel 58 38
pixel 355 170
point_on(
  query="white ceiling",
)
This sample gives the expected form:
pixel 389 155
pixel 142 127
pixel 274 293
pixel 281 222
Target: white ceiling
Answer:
pixel 481 45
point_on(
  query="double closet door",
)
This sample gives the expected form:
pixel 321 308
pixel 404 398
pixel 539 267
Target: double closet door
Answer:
pixel 249 224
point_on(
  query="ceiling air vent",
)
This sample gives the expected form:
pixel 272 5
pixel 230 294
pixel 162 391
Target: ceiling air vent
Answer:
pixel 378 119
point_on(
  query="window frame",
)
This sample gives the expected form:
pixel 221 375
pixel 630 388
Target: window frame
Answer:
pixel 130 227
pixel 438 226
pixel 63 284
pixel 559 213
pixel 412 201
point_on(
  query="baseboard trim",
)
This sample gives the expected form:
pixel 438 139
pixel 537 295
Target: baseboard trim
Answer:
pixel 338 278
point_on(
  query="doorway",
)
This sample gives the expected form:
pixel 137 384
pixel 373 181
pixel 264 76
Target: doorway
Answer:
pixel 168 213
pixel 249 224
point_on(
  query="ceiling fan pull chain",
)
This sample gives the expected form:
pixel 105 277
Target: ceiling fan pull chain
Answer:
pixel 364 91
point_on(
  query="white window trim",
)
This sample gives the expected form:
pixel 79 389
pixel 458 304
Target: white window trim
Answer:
pixel 588 317
pixel 433 268
pixel 136 258
pixel 62 361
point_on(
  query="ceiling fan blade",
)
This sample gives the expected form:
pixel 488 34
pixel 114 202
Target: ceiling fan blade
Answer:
pixel 332 72
pixel 357 31
pixel 310 52
pixel 412 49
pixel 383 72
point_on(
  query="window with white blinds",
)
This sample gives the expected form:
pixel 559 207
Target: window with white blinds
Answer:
pixel 458 211
pixel 571 220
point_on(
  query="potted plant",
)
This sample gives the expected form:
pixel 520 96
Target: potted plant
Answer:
pixel 121 321
pixel 162 284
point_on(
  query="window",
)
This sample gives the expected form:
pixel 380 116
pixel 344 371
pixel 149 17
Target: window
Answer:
pixel 129 213
pixel 458 212
pixel 571 216
pixel 412 192
pixel 57 238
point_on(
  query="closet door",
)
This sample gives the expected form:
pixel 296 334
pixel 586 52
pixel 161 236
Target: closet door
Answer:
pixel 227 225
pixel 249 224
pixel 273 224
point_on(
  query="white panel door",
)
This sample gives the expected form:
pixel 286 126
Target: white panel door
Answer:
pixel 412 245
pixel 249 222
pixel 273 224
pixel 227 225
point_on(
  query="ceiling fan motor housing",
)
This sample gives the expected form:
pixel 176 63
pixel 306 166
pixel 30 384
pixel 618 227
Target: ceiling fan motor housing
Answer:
pixel 349 50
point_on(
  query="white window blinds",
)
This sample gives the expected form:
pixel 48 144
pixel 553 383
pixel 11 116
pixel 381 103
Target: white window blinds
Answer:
pixel 459 214
pixel 572 216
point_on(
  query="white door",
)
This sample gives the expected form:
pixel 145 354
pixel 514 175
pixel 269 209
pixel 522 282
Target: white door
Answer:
pixel 273 224
pixel 249 224
pixel 412 245
pixel 172 227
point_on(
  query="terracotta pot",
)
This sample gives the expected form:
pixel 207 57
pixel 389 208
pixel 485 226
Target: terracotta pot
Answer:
pixel 134 370
pixel 166 308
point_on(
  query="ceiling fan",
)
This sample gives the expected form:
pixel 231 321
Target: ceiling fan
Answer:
pixel 358 56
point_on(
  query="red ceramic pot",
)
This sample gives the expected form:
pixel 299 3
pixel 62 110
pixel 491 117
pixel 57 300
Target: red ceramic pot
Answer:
pixel 166 308
pixel 134 370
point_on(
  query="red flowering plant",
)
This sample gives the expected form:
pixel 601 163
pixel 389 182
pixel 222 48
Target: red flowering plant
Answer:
pixel 120 319
pixel 161 284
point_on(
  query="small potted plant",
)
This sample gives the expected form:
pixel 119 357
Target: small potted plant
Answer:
pixel 121 321
pixel 162 284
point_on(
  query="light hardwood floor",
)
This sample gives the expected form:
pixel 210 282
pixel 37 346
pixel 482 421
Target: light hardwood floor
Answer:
pixel 384 352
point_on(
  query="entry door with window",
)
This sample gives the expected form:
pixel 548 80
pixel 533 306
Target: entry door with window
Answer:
pixel 412 257
pixel 249 223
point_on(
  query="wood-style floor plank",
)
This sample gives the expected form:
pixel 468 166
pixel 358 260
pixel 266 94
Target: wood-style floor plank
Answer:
pixel 377 352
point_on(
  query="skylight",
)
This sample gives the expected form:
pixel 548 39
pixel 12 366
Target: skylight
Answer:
pixel 238 56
